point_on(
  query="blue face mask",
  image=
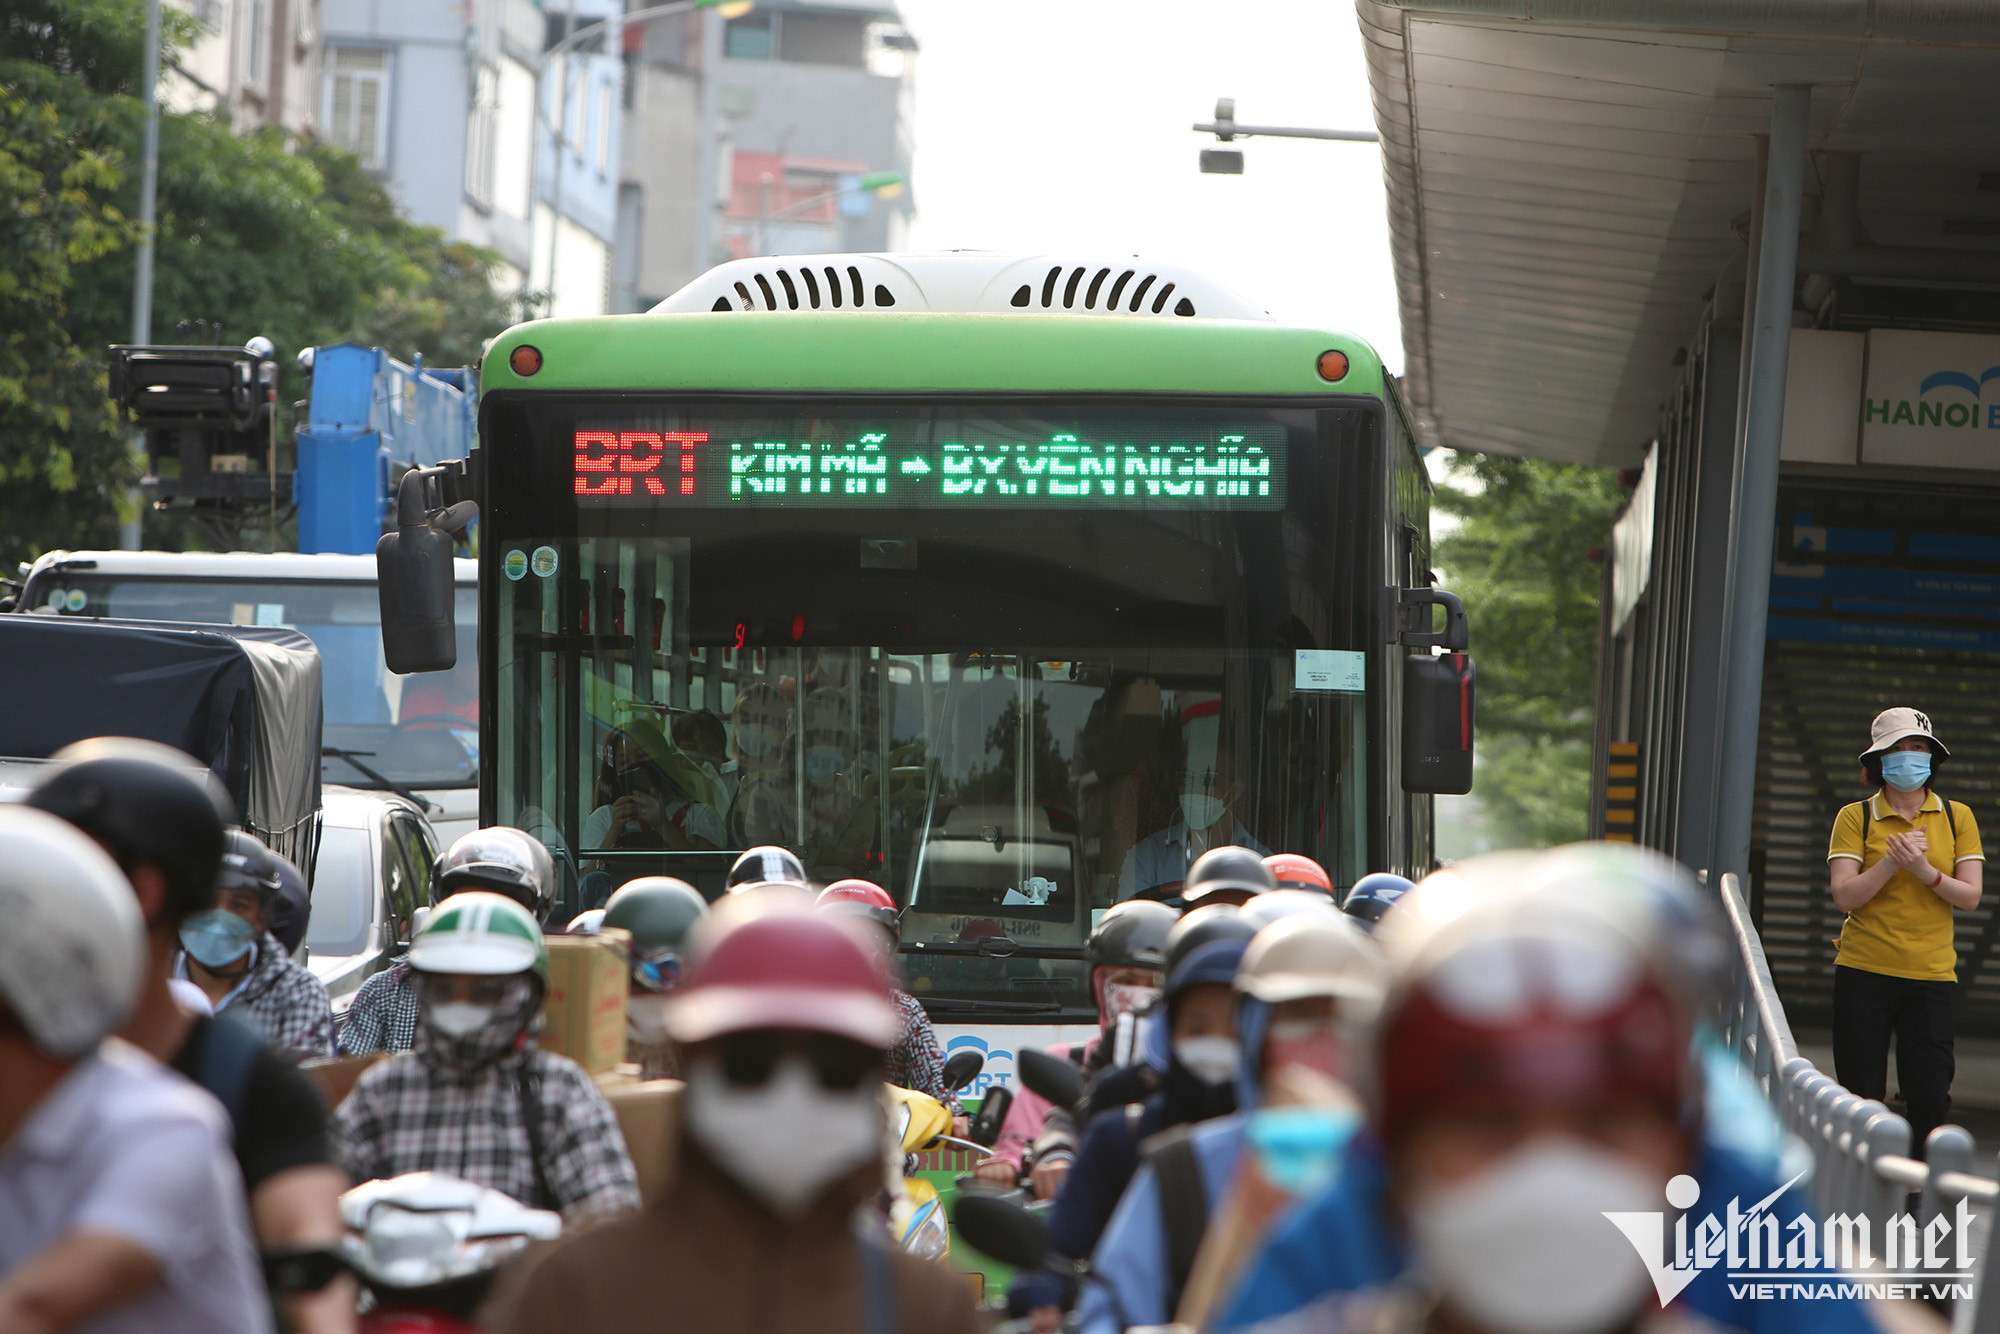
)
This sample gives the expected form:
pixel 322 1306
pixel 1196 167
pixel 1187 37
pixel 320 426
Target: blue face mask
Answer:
pixel 1298 1148
pixel 216 938
pixel 1906 770
pixel 823 762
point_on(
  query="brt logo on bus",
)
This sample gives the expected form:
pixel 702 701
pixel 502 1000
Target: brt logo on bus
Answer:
pixel 1951 413
pixel 999 1068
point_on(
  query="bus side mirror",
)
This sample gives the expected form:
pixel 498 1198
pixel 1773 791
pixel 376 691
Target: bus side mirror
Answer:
pixel 1437 723
pixel 414 579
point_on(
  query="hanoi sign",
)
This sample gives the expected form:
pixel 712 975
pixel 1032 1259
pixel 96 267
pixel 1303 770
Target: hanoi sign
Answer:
pixel 1237 468
pixel 1931 399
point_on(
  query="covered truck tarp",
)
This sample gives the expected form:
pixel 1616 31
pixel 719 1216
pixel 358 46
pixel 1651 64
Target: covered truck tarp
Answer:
pixel 243 700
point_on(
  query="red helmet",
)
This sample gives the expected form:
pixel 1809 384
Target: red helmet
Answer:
pixel 860 898
pixel 1294 871
pixel 785 970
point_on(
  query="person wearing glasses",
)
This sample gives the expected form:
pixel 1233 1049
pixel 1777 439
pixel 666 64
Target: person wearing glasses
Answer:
pixel 1899 864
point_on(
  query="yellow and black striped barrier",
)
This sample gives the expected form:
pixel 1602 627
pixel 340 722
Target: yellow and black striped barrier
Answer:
pixel 1621 792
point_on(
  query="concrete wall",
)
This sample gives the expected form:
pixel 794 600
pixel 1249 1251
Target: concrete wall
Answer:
pixel 662 155
pixel 258 61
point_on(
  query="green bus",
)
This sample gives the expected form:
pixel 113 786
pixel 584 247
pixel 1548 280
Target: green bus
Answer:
pixel 1009 584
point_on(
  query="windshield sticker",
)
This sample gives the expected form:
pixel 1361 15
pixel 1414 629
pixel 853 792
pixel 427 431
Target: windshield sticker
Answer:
pixel 544 561
pixel 515 566
pixel 1330 669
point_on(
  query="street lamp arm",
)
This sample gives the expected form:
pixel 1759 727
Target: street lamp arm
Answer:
pixel 1228 130
pixel 590 30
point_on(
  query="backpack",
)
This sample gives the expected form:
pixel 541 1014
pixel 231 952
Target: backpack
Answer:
pixel 1868 817
pixel 1183 1203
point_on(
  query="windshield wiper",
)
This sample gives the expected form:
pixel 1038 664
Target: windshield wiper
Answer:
pixel 967 1004
pixel 425 804
pixel 993 947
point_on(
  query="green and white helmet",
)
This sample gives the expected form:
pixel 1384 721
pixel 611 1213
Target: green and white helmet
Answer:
pixel 482 933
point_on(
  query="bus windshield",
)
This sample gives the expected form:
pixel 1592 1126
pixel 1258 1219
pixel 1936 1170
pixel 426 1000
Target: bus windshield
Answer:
pixel 381 729
pixel 1010 713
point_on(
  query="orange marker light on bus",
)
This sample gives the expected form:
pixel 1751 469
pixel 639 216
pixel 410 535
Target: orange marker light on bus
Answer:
pixel 1332 365
pixel 527 359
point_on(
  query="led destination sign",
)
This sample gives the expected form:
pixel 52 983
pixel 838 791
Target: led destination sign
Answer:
pixel 1239 466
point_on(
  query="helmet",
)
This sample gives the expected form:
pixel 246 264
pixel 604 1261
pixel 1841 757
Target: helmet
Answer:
pixel 1265 909
pixel 1294 871
pixel 74 948
pixel 1224 870
pixel 1518 981
pixel 1320 955
pixel 785 970
pixel 1217 921
pixel 768 865
pixel 480 932
pixel 249 866
pixel 146 802
pixel 1373 895
pixel 1214 962
pixel 861 898
pixel 1133 934
pixel 586 923
pixel 501 859
pixel 658 910
pixel 294 907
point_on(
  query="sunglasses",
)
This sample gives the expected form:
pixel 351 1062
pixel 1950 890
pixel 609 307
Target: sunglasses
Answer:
pixel 657 969
pixel 747 1059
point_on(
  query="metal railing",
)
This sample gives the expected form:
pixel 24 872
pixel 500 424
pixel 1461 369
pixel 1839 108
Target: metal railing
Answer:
pixel 1860 1149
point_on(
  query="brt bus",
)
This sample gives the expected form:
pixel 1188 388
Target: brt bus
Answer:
pixel 1010 584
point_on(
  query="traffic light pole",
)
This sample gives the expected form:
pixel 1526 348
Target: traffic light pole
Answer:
pixel 129 531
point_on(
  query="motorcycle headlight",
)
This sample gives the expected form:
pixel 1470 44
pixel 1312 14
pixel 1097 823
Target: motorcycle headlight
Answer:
pixel 927 1237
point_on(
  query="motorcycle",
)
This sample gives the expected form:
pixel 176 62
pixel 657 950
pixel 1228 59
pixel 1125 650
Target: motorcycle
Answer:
pixel 921 1124
pixel 427 1246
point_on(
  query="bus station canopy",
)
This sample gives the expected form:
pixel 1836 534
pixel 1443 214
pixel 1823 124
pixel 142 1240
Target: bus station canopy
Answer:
pixel 1568 179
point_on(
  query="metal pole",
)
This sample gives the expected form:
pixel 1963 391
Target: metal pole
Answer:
pixel 1754 517
pixel 129 532
pixel 706 166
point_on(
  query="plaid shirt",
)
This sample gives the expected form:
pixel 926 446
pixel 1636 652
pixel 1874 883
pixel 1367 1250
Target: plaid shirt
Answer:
pixel 410 1114
pixel 383 1013
pixel 283 1001
pixel 915 1061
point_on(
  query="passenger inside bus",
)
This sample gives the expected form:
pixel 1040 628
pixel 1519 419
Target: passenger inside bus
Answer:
pixel 1205 815
pixel 647 795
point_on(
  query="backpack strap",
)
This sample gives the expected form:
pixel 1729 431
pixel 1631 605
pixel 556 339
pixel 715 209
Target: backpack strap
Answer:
pixel 528 1086
pixel 1183 1205
pixel 1951 821
pixel 227 1057
pixel 1867 818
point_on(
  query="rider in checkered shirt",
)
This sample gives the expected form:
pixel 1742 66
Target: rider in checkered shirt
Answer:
pixel 383 1014
pixel 476 1097
pixel 232 956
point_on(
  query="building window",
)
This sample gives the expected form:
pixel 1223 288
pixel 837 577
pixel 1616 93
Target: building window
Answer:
pixel 752 37
pixel 357 102
pixel 257 44
pixel 208 13
pixel 479 146
pixel 603 130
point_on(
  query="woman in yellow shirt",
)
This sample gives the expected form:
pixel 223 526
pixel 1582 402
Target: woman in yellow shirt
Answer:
pixel 1899 863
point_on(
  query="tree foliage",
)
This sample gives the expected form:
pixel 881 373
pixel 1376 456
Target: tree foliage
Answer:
pixel 1520 557
pixel 255 232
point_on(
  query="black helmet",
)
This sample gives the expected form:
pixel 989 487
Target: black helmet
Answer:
pixel 503 859
pixel 1225 870
pixel 294 907
pixel 248 865
pixel 145 802
pixel 767 865
pixel 1132 935
pixel 1216 921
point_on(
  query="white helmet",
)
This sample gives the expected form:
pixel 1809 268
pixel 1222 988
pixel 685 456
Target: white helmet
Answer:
pixel 481 933
pixel 1315 954
pixel 73 950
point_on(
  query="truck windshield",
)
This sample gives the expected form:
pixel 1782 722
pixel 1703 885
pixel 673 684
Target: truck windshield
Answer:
pixel 1010 715
pixel 419 731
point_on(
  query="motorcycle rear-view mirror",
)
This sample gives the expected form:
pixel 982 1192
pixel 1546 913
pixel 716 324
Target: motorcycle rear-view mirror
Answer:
pixel 993 1108
pixel 1050 1077
pixel 962 1067
pixel 1002 1229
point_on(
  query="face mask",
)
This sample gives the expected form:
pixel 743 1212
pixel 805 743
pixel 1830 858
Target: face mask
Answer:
pixel 1906 770
pixel 216 938
pixel 646 1018
pixel 1524 1247
pixel 465 1035
pixel 787 1139
pixel 823 762
pixel 1298 1148
pixel 757 738
pixel 1201 810
pixel 1123 998
pixel 1306 1042
pixel 457 1019
pixel 1211 1060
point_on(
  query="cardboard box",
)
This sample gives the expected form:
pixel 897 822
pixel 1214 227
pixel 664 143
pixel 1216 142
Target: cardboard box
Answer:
pixel 649 1114
pixel 336 1076
pixel 584 1011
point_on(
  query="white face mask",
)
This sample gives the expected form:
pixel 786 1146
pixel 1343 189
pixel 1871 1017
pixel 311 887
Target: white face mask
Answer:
pixel 1202 810
pixel 1124 998
pixel 459 1018
pixel 646 1017
pixel 789 1138
pixel 1525 1248
pixel 1211 1060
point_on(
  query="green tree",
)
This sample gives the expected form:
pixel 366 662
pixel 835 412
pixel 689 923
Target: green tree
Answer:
pixel 1520 557
pixel 260 235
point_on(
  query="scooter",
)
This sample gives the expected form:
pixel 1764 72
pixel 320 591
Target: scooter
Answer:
pixel 921 1123
pixel 427 1247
